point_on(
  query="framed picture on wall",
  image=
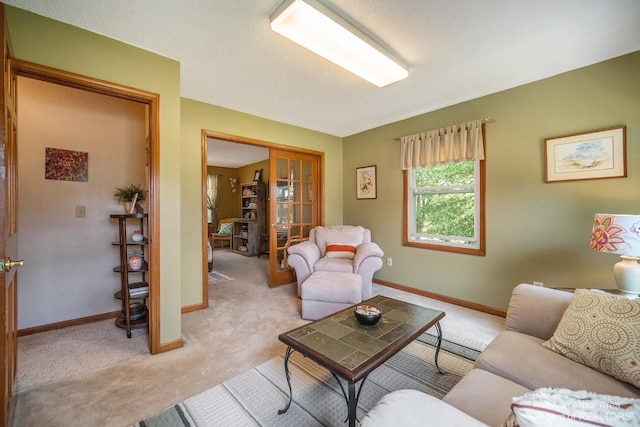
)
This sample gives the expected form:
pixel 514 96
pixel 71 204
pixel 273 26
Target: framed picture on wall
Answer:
pixel 589 155
pixel 66 165
pixel 366 183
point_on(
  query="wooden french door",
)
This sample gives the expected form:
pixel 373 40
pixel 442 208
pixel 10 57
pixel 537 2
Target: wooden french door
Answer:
pixel 295 207
pixel 9 226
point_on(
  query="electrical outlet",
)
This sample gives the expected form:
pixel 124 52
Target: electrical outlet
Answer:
pixel 538 283
pixel 389 261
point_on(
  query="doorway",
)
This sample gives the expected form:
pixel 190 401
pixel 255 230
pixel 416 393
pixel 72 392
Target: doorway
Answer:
pixel 313 185
pixel 150 102
pixel 59 207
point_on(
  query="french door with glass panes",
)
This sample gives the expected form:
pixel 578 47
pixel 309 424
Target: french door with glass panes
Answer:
pixel 295 207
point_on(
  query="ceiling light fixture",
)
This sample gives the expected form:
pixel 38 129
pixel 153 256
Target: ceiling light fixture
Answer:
pixel 317 28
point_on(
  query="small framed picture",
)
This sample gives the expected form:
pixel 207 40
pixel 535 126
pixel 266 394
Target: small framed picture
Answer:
pixel 257 176
pixel 366 183
pixel 66 165
pixel 589 155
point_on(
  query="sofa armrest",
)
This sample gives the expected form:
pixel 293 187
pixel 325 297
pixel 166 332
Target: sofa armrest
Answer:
pixel 365 251
pixel 536 311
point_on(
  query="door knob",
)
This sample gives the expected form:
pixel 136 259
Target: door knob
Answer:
pixel 8 264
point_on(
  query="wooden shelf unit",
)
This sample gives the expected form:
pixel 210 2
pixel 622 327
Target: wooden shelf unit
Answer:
pixel 247 230
pixel 134 287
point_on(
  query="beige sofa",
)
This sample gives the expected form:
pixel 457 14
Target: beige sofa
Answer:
pixel 511 365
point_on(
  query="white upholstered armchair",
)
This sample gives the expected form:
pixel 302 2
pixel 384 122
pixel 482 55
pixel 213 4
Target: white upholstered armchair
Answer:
pixel 341 248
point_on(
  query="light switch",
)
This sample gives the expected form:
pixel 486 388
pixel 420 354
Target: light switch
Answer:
pixel 79 211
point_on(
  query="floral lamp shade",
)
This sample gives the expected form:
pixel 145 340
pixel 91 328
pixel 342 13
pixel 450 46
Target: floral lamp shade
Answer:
pixel 620 234
pixel 617 234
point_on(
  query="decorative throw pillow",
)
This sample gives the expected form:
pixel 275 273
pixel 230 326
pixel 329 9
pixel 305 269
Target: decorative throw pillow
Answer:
pixel 562 407
pixel 601 331
pixel 339 250
pixel 343 234
pixel 225 228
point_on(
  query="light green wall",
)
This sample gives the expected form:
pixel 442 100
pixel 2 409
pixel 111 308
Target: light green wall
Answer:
pixel 535 231
pixel 196 116
pixel 54 44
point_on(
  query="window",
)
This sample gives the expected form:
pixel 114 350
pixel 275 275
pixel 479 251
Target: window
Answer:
pixel 444 207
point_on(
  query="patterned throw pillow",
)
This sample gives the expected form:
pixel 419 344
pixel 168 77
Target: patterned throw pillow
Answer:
pixel 562 407
pixel 340 250
pixel 601 331
pixel 226 228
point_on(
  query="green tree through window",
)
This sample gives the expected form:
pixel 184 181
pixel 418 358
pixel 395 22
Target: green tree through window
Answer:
pixel 443 207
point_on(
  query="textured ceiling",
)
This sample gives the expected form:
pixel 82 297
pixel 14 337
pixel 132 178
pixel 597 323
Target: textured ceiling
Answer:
pixel 456 50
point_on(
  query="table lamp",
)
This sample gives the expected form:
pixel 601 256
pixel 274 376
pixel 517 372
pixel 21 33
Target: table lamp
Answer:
pixel 620 234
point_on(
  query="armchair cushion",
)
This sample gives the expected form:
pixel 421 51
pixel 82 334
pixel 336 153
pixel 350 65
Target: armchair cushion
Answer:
pixel 349 235
pixel 341 265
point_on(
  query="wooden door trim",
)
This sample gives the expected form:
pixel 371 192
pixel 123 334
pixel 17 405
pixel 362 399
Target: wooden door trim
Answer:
pixel 258 142
pixel 152 100
pixel 249 141
pixel 8 296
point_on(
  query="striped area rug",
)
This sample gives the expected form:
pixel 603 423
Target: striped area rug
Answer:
pixel 254 397
pixel 216 276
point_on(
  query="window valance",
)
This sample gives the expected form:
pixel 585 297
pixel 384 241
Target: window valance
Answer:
pixel 452 144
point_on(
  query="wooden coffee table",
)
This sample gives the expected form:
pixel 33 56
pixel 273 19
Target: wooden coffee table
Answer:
pixel 352 351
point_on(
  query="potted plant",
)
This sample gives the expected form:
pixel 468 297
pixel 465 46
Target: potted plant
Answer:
pixel 130 196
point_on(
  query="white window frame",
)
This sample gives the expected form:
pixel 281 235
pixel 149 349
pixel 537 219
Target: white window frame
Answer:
pixel 439 242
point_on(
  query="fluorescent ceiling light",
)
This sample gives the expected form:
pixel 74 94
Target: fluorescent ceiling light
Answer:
pixel 314 26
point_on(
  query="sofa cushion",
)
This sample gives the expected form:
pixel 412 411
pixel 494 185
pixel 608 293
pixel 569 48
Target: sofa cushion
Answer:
pixel 484 396
pixel 522 359
pixel 601 331
pixel 346 234
pixel 412 408
pixel 562 407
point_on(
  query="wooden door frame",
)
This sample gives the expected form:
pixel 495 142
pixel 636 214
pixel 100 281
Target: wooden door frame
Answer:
pixel 258 143
pixel 8 295
pixel 152 100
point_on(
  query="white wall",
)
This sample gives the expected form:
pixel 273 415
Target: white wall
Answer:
pixel 68 260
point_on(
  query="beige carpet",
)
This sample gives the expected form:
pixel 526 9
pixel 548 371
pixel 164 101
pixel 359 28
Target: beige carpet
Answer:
pixel 228 338
pixel 67 353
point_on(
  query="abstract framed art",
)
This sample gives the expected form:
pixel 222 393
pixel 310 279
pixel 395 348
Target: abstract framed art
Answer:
pixel 66 165
pixel 589 155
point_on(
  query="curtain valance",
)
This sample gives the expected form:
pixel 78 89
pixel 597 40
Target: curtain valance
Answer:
pixel 452 144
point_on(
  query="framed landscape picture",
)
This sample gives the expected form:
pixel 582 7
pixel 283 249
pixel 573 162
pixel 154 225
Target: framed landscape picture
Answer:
pixel 366 183
pixel 590 155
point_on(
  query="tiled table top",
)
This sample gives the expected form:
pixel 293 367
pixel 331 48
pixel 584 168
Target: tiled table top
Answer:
pixel 351 350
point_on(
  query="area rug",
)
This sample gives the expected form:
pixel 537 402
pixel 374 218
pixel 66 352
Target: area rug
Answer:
pixel 216 276
pixel 254 397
